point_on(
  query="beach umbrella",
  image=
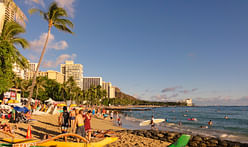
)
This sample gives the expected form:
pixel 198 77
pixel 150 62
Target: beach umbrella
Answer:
pixel 61 105
pixel 21 109
pixel 73 105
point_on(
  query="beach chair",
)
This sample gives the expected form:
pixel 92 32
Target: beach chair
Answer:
pixel 182 141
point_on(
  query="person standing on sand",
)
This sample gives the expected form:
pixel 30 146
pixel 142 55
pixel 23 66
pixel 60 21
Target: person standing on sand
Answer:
pixel 112 115
pixel 73 117
pixel 87 124
pixel 152 123
pixel 13 115
pixel 64 120
pixel 79 124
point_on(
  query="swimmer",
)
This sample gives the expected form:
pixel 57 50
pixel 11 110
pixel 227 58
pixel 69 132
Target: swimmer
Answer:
pixel 179 123
pixel 226 117
pixel 204 127
pixel 210 123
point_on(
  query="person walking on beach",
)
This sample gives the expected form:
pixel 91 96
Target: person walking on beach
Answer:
pixel 64 120
pixel 112 115
pixel 73 117
pixel 13 115
pixel 87 124
pixel 79 124
pixel 152 123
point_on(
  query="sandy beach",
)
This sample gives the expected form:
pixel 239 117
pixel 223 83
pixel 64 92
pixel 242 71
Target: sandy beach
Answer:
pixel 48 124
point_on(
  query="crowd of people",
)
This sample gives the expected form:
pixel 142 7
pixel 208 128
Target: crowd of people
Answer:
pixel 79 120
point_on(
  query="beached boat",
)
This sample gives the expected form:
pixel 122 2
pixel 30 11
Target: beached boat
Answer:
pixel 51 142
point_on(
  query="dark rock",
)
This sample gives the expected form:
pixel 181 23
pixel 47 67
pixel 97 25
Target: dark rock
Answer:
pixel 213 141
pixel 212 145
pixel 193 144
pixel 172 134
pixel 197 138
pixel 203 145
pixel 223 143
pixel 155 137
pixel 160 135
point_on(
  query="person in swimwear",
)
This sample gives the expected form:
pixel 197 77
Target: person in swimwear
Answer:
pixel 79 124
pixel 73 118
pixel 152 123
pixel 210 123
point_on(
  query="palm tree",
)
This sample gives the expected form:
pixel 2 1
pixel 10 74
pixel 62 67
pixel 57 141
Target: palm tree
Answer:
pixel 55 16
pixel 10 34
pixel 40 84
pixel 71 86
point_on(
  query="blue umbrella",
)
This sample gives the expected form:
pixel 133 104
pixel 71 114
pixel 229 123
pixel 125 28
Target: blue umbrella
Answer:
pixel 21 109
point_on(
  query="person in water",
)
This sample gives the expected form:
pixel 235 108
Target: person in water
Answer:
pixel 210 123
pixel 204 127
pixel 226 117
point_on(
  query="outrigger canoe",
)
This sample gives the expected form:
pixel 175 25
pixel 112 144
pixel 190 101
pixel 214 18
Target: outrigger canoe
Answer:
pixel 51 143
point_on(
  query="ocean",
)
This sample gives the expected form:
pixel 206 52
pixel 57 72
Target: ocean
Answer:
pixel 235 128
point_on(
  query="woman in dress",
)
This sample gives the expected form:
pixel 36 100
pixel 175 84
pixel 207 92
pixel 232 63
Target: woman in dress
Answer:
pixel 87 124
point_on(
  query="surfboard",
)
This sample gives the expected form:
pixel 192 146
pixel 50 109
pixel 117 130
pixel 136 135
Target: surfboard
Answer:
pixel 148 122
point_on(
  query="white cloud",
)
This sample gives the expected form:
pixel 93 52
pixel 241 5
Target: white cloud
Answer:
pixel 38 44
pixel 68 5
pixel 61 59
pixel 31 2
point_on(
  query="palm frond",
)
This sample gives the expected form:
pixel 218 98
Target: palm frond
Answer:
pixel 20 41
pixel 63 28
pixel 52 8
pixel 64 22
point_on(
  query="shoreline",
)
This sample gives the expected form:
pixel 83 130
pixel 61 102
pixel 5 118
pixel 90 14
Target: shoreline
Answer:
pixel 47 124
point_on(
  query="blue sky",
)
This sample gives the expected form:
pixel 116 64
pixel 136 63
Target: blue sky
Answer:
pixel 163 50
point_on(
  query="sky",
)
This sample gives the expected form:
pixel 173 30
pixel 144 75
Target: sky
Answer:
pixel 159 50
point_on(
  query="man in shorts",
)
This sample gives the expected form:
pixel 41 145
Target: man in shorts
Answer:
pixel 79 124
pixel 64 120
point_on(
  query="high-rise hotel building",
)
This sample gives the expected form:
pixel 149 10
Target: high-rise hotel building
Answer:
pixel 91 81
pixel 9 11
pixel 69 69
pixel 50 74
pixel 29 73
pixel 110 90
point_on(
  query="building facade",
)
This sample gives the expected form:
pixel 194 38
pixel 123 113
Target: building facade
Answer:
pixel 188 102
pixel 19 72
pixel 29 73
pixel 50 74
pixel 9 11
pixel 69 69
pixel 110 90
pixel 91 81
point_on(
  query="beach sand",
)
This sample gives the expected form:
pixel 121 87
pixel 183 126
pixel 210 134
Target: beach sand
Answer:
pixel 48 124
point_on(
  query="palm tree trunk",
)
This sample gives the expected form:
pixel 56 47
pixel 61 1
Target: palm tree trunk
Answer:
pixel 36 72
pixel 36 93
